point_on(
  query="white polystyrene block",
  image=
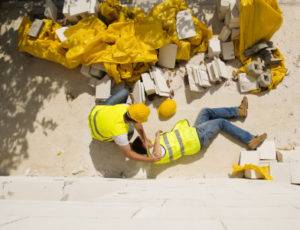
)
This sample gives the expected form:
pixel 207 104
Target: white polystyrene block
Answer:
pixel 167 56
pixel 267 150
pixel 184 25
pixel 35 28
pixel 228 50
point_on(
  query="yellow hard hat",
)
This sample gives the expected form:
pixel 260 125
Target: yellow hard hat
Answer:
pixel 139 112
pixel 167 108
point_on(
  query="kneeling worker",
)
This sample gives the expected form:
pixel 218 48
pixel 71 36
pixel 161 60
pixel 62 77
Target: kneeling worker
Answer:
pixel 115 123
pixel 188 140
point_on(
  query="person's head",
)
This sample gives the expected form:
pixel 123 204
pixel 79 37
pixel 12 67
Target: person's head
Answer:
pixel 138 112
pixel 138 147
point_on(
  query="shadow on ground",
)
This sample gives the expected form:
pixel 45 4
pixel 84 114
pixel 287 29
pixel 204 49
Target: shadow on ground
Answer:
pixel 25 83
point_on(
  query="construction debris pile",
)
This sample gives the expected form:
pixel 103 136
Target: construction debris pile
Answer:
pixel 267 163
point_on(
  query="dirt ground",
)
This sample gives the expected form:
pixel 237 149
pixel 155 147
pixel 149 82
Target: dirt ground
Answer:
pixel 45 133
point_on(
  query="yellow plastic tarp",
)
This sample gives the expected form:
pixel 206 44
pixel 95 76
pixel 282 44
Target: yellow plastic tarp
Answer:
pixel 263 170
pixel 259 20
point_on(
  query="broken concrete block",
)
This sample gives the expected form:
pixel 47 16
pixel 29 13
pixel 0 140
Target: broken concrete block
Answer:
pixel 295 172
pixel 50 10
pixel 215 77
pixel 191 78
pixel 267 150
pixel 280 172
pixel 221 68
pixel 60 33
pixel 160 82
pixel 36 28
pixel 196 59
pixel 203 78
pixel 167 56
pixel 247 83
pixel 232 19
pixel 214 47
pixel 288 156
pixel 228 50
pixel 137 92
pixel 224 34
pixel 235 34
pixel 103 88
pixel 249 157
pixel 184 25
pixel 79 7
pixel 223 6
pixel 148 84
pixel 265 79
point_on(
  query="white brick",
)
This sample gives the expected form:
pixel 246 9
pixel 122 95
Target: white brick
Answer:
pixel 280 172
pixel 295 172
pixel 216 71
pixel 214 47
pixel 247 83
pixel 228 50
pixel 184 25
pixel 167 56
pixel 224 34
pixel 148 84
pixel 249 157
pixel 267 150
pixel 60 33
pixel 35 28
pixel 103 88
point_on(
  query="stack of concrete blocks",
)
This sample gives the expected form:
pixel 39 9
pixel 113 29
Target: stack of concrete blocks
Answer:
pixel 74 10
pixel 138 92
pixel 148 84
pixel 50 10
pixel 247 83
pixel 60 33
pixel 162 88
pixel 167 56
pixel 36 28
pixel 184 25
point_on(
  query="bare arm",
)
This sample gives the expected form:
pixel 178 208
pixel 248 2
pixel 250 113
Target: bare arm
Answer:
pixel 139 128
pixel 128 152
pixel 157 149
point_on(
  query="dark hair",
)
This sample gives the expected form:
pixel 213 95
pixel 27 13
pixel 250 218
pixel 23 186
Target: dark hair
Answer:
pixel 138 147
pixel 128 118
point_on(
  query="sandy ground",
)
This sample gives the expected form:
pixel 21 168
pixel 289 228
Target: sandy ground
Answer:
pixel 43 133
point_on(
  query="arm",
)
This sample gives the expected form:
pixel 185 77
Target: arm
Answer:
pixel 128 152
pixel 157 149
pixel 139 128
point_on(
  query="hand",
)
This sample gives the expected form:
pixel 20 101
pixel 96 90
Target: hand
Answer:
pixel 155 158
pixel 147 143
pixel 158 133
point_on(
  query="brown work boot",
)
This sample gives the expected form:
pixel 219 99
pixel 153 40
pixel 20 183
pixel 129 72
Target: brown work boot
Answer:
pixel 257 141
pixel 243 107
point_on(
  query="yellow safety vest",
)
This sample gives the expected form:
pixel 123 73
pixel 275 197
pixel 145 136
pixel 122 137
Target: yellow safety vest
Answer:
pixel 182 140
pixel 107 121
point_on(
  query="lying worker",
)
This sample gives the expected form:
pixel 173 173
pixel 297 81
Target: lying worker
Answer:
pixel 187 140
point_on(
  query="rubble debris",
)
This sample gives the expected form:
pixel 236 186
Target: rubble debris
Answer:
pixel 265 79
pixel 224 34
pixel 60 33
pixel 192 80
pixel 50 10
pixel 247 83
pixel 36 28
pixel 214 47
pixel 148 84
pixel 257 47
pixel 138 92
pixel 221 68
pixel 167 56
pixel 184 25
pixel 227 50
pixel 255 68
pixel 103 88
pixel 160 82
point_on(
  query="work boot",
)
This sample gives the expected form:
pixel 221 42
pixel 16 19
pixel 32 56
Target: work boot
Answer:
pixel 257 141
pixel 243 107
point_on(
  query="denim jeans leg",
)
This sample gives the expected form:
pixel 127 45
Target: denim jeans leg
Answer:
pixel 208 130
pixel 119 97
pixel 207 114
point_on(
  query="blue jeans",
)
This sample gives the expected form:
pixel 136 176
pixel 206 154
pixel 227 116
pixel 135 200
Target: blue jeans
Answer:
pixel 210 122
pixel 119 95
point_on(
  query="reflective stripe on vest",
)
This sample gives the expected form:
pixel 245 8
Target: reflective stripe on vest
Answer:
pixel 177 133
pixel 169 149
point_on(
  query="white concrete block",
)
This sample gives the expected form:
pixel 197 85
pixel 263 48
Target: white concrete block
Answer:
pixel 295 172
pixel 249 157
pixel 224 34
pixel 50 10
pixel 267 150
pixel 60 33
pixel 93 6
pixel 36 28
pixel 136 92
pixel 191 78
pixel 148 84
pixel 160 81
pixel 203 76
pixel 184 25
pixel 79 7
pixel 103 88
pixel 167 56
pixel 143 97
pixel 221 67
pixel 280 172
pixel 216 70
pixel 235 34
pixel 228 50
pixel 196 59
pixel 247 83
pixel 288 156
pixel 214 47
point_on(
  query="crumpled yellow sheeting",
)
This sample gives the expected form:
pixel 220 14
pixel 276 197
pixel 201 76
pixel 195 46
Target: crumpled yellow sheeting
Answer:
pixel 46 46
pixel 259 20
pixel 263 170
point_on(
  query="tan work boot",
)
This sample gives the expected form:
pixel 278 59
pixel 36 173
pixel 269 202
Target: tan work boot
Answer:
pixel 257 141
pixel 243 107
